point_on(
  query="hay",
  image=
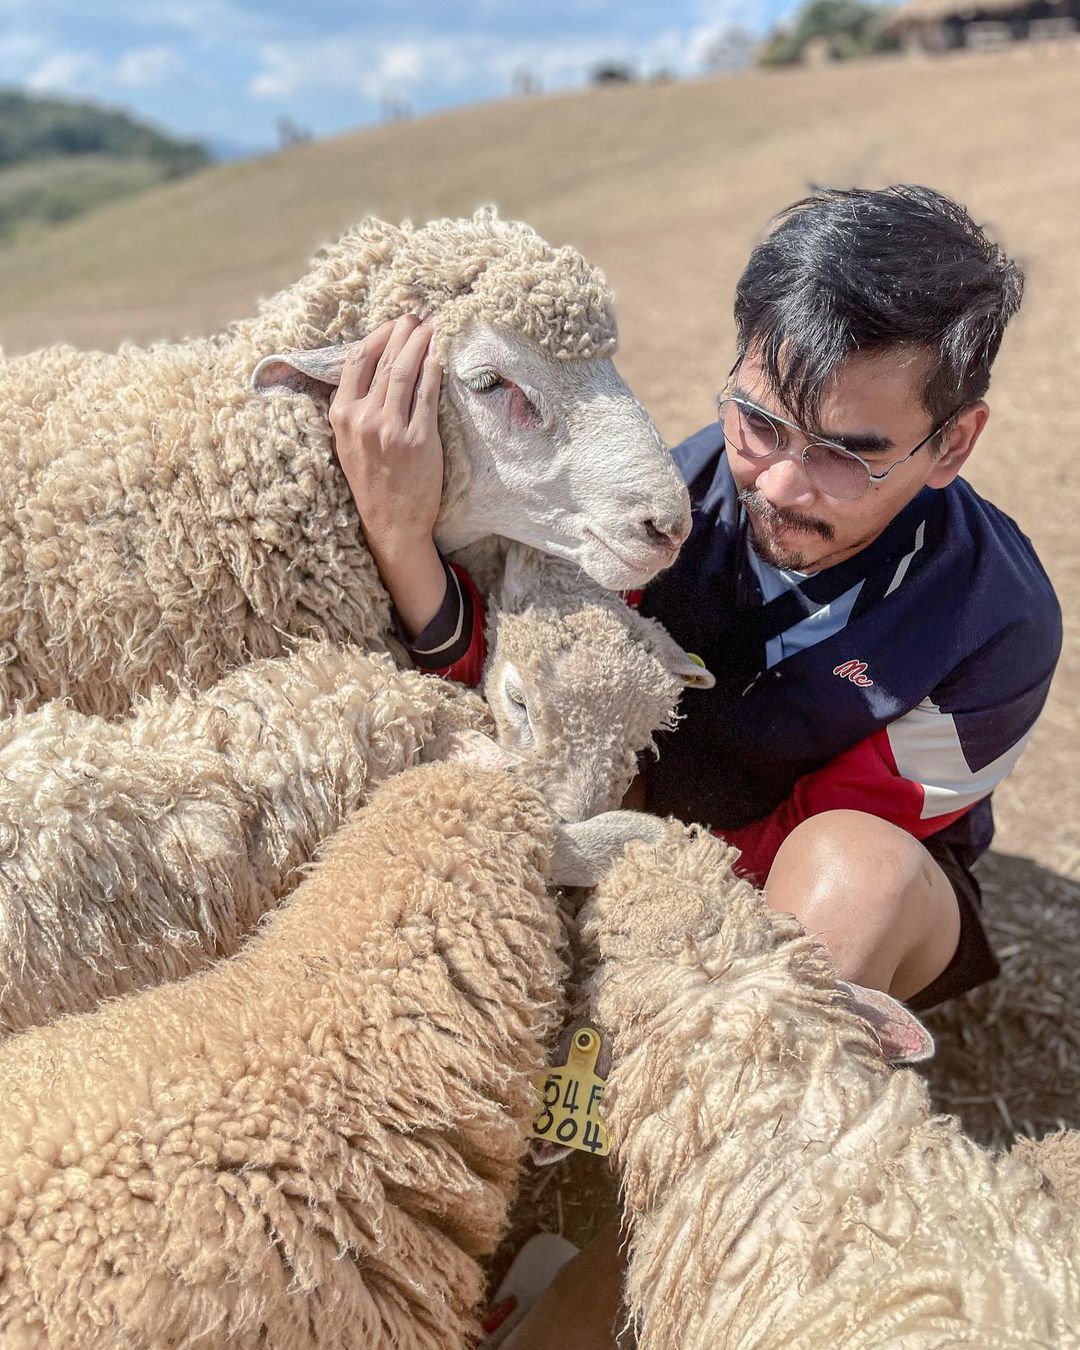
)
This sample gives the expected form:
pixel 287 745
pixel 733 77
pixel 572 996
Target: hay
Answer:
pixel 1008 1054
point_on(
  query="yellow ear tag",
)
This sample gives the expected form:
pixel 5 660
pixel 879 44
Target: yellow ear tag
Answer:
pixel 572 1095
pixel 696 659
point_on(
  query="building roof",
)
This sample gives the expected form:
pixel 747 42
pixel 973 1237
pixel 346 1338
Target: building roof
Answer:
pixel 933 11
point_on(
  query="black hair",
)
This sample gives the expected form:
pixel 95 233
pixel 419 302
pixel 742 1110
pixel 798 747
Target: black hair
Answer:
pixel 848 270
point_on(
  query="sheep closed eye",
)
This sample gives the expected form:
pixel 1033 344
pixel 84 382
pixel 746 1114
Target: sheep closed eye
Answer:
pixel 482 381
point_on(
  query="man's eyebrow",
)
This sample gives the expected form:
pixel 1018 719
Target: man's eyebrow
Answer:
pixel 861 442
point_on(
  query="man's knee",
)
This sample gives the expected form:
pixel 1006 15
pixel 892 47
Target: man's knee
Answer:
pixel 872 893
pixel 841 851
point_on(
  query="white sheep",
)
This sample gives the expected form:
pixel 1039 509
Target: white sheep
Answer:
pixel 139 851
pixel 160 519
pixel 309 1144
pixel 783 1186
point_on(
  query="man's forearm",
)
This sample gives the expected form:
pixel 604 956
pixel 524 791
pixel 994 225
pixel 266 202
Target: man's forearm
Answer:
pixel 413 574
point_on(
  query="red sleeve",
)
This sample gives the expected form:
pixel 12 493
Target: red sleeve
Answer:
pixel 863 778
pixel 469 668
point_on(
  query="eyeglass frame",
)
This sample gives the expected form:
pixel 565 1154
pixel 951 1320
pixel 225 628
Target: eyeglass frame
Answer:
pixel 872 477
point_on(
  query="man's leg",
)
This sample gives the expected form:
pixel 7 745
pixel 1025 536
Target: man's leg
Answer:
pixel 582 1310
pixel 872 895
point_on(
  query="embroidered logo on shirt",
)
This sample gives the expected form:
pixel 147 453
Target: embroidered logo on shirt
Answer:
pixel 853 671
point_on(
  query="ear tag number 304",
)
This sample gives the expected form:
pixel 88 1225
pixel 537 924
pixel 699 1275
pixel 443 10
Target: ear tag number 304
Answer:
pixel 572 1095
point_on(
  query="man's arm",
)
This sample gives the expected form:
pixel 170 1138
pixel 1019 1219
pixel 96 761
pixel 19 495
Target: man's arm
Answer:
pixel 452 644
pixel 386 436
pixel 921 772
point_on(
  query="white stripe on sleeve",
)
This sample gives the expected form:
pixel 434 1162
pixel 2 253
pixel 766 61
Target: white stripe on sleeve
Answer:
pixel 926 747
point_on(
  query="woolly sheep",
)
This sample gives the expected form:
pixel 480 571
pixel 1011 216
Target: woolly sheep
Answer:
pixel 310 1143
pixel 161 520
pixel 784 1187
pixel 138 852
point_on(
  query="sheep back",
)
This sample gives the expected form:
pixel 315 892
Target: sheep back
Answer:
pixel 137 852
pixel 309 1144
pixel 159 520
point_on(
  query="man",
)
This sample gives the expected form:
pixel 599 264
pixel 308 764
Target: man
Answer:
pixel 882 637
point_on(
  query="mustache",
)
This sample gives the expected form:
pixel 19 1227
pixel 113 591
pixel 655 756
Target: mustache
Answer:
pixel 759 505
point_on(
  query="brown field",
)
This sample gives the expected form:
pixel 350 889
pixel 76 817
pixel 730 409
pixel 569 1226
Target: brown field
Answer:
pixel 667 187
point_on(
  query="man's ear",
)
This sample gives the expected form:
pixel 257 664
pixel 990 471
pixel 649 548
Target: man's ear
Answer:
pixel 316 373
pixel 963 432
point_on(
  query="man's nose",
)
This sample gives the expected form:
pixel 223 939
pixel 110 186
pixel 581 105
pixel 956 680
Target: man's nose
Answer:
pixel 785 483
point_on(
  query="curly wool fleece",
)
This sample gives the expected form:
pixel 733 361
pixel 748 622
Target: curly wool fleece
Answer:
pixel 499 272
pixel 160 521
pixel 308 1145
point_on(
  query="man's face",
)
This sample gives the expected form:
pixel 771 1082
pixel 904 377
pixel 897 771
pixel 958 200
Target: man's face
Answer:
pixel 872 404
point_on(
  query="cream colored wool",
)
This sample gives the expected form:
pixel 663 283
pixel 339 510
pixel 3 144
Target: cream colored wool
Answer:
pixel 1057 1156
pixel 783 1187
pixel 138 852
pixel 309 1144
pixel 160 520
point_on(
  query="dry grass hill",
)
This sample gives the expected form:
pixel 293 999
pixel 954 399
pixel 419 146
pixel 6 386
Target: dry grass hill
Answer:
pixel 667 186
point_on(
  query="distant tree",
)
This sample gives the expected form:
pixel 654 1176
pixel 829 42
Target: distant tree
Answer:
pixel 523 82
pixel 394 108
pixel 844 28
pixel 729 50
pixel 611 72
pixel 290 133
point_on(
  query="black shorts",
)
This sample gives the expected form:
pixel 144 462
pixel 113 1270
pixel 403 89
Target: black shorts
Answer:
pixel 974 961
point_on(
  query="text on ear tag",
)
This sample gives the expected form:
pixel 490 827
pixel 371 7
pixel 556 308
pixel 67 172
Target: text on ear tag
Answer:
pixel 572 1096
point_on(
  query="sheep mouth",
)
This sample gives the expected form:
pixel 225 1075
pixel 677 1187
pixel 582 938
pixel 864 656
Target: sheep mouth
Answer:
pixel 645 564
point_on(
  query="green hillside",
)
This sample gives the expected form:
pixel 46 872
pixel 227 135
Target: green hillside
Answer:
pixel 59 159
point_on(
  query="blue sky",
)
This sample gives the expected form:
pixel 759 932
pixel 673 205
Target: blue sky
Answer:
pixel 226 70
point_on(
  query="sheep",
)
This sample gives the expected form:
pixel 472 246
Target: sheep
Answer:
pixel 310 1143
pixel 782 1185
pixel 140 851
pixel 161 519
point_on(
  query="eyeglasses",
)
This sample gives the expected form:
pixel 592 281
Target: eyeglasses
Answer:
pixel 836 471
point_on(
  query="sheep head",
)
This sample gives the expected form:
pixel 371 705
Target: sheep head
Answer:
pixel 544 442
pixel 577 683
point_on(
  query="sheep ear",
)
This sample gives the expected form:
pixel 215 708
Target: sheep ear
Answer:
pixel 519 579
pixel 685 666
pixel 316 373
pixel 904 1039
pixel 691 670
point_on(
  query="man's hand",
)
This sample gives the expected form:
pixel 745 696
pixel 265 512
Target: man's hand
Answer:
pixel 385 419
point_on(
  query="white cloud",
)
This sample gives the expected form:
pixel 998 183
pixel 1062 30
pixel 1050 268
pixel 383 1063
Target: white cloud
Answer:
pixel 140 67
pixel 354 65
pixel 61 71
pixel 373 68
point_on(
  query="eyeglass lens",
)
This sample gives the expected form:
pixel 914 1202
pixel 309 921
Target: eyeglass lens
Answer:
pixel 755 434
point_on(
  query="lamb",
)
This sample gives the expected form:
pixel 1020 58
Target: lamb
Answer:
pixel 310 1143
pixel 783 1186
pixel 137 852
pixel 161 520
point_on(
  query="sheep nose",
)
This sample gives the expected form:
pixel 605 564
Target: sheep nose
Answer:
pixel 666 534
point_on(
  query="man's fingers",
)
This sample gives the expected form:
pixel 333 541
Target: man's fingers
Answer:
pixel 425 409
pixel 360 364
pixel 403 330
pixel 403 373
